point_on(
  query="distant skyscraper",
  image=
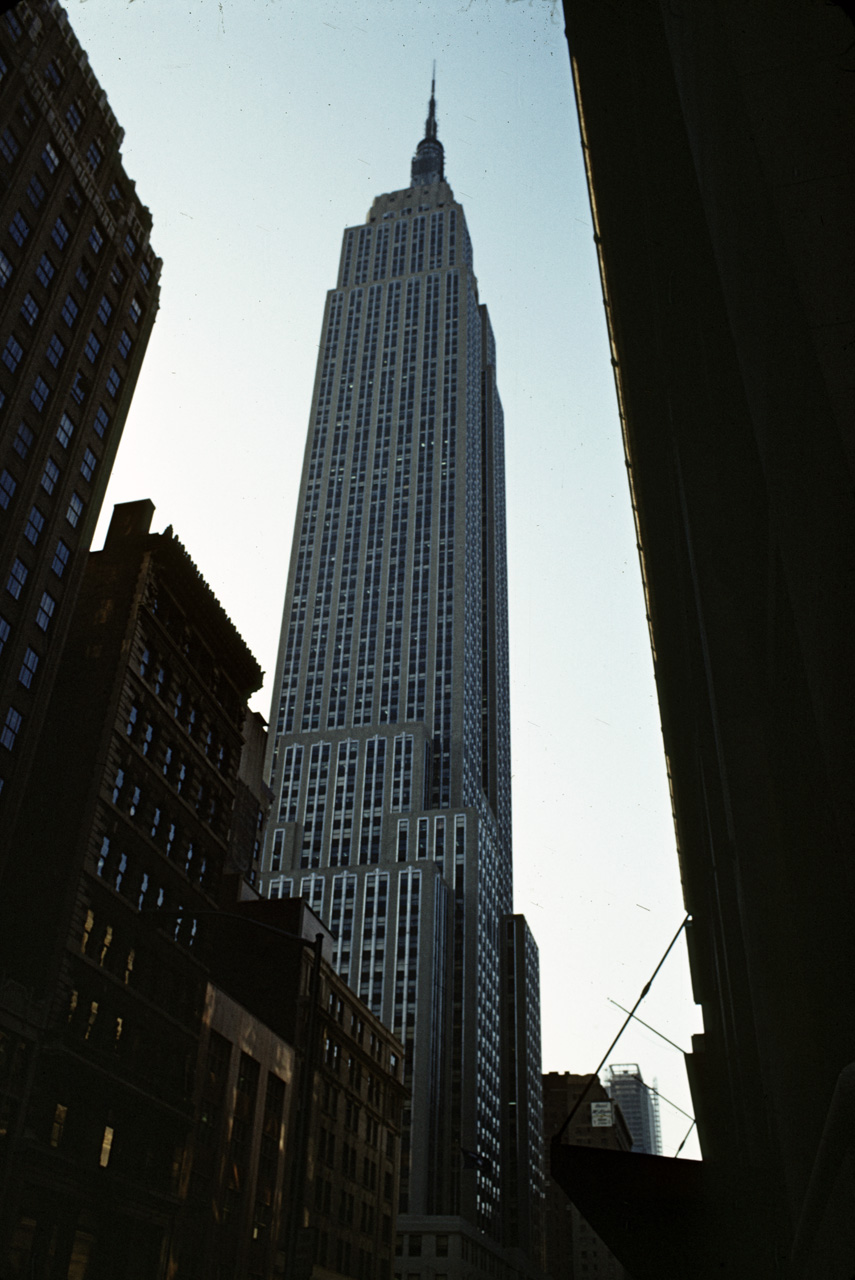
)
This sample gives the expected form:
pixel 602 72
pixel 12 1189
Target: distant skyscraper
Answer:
pixel 390 751
pixel 639 1105
pixel 78 297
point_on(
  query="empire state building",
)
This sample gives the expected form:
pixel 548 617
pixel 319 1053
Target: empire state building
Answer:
pixel 390 755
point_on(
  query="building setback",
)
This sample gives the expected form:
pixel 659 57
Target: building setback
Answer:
pixel 124 833
pixel 78 297
pixel 390 750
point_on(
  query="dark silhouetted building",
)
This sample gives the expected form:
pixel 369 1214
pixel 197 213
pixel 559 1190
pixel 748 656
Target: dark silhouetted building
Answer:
pixel 574 1251
pixel 522 1169
pixel 235 1181
pixel 718 140
pixel 78 297
pixel 339 1192
pixel 122 840
pixel 389 751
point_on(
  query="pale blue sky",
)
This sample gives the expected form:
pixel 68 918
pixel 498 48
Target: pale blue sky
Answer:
pixel 256 130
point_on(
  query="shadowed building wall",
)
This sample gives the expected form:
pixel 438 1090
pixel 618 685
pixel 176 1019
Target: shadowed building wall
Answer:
pixel 718 139
pixel 78 297
pixel 126 816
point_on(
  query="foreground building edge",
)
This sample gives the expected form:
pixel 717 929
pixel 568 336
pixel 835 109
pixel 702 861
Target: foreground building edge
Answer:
pixel 733 368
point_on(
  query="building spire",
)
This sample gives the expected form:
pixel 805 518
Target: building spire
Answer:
pixel 430 123
pixel 428 162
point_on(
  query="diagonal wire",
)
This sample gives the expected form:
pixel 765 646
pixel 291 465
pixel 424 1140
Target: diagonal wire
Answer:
pixel 686 1139
pixel 648 1026
pixel 644 992
pixel 687 1114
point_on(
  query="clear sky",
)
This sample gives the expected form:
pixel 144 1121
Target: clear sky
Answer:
pixel 256 130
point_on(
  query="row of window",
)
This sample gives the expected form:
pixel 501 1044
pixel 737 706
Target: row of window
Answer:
pixel 19 230
pixel 147 806
pixel 122 867
pixel 174 620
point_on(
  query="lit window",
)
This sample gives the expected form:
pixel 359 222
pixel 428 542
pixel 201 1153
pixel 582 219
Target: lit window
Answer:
pixel 69 310
pixel 65 430
pixel 23 440
pixel 12 355
pixel 28 668
pixel 50 476
pixel 7 489
pixel 19 228
pixel 79 388
pixel 30 309
pixel 50 159
pixel 40 392
pixel 113 383
pixel 106 1146
pixel 96 239
pixel 59 235
pixel 104 310
pixel 61 558
pixel 10 729
pixel 75 510
pixel 35 192
pixel 102 420
pixel 59 1116
pixel 35 524
pixel 93 155
pixel 93 346
pixel 130 245
pixel 135 310
pixel 117 275
pixel 17 578
pixel 55 351
pixel 45 611
pixel 45 270
pixel 5 269
pixel 87 466
pixel 74 117
pixel 8 145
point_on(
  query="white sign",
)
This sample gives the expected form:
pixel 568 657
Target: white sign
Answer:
pixel 601 1115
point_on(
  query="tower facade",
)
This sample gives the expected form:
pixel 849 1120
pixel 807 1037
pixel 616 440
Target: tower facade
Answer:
pixel 639 1104
pixel 389 756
